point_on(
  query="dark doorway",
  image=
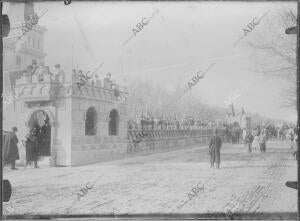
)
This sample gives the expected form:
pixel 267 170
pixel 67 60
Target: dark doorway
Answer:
pixel 113 123
pixel 91 122
pixel 41 120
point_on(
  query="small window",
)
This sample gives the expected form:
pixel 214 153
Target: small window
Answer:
pixel 91 122
pixel 38 43
pixel 33 42
pixel 113 126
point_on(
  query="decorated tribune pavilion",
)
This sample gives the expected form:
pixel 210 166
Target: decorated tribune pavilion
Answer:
pixel 80 124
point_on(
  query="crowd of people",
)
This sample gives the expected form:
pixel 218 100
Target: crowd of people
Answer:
pixel 233 133
pixel 35 73
pixel 81 78
pixel 167 123
pixel 255 140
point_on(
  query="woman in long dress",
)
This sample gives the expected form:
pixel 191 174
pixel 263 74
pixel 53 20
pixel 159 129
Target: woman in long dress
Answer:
pixel 255 143
pixel 32 149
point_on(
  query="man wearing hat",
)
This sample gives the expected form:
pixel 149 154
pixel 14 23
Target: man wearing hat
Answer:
pixel 10 149
pixel 214 150
pixel 59 74
pixel 107 81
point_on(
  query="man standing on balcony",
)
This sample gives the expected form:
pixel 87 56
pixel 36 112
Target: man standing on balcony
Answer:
pixel 214 150
pixel 28 74
pixel 107 81
pixel 59 74
pixel 39 73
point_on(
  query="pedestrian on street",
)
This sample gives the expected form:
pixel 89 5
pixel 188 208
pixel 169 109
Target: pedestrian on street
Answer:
pixel 291 135
pixel 249 139
pixel 10 148
pixel 255 142
pixel 296 140
pixel 214 150
pixel 32 149
pixel 262 141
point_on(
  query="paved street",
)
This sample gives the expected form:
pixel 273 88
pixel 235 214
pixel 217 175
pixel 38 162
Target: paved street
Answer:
pixel 162 183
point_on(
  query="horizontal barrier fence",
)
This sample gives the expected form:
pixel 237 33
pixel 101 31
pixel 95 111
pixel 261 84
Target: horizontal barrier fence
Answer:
pixel 138 139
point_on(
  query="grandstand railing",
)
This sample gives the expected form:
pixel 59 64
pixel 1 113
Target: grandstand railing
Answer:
pixel 136 136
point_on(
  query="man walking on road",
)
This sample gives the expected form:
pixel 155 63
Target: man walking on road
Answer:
pixel 214 150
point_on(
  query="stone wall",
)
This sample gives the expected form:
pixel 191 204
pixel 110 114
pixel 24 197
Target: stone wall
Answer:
pixel 96 149
pixel 100 147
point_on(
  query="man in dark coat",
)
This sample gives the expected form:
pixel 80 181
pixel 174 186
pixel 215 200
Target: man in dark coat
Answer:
pixel 214 149
pixel 249 140
pixel 10 149
pixel 32 149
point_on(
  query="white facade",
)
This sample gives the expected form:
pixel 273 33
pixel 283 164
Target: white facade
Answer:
pixel 65 104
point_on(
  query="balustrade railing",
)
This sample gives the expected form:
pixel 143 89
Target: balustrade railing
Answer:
pixel 136 136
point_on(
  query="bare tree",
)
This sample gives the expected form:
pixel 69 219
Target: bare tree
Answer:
pixel 275 52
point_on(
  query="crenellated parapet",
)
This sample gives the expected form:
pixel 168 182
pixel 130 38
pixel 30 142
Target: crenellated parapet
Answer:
pixel 49 91
pixel 35 92
pixel 88 91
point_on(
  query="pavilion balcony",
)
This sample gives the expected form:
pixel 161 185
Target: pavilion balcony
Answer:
pixel 32 90
pixel 29 90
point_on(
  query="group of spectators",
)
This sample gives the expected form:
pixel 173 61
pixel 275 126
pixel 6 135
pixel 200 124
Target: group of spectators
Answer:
pixel 256 140
pixel 40 73
pixel 81 78
pixel 292 135
pixel 233 133
pixel 35 73
pixel 152 123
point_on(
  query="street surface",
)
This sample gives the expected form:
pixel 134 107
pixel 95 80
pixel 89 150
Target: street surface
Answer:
pixel 162 183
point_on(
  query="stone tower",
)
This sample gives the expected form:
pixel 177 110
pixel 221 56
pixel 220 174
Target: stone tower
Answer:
pixel 18 52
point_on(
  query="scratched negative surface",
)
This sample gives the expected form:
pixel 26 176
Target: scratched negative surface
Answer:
pixel 147 108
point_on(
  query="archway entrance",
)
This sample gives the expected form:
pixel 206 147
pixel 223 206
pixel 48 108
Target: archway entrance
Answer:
pixel 113 123
pixel 41 120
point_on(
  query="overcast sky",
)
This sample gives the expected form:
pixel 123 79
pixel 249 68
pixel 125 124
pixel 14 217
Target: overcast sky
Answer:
pixel 180 40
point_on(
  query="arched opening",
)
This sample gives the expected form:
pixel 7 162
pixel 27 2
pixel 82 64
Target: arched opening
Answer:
pixel 91 122
pixel 41 121
pixel 113 126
